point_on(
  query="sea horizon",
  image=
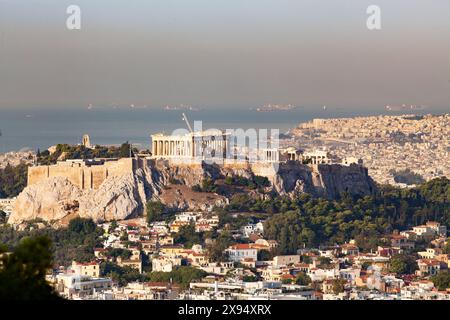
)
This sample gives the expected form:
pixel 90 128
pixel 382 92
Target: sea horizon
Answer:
pixel 40 128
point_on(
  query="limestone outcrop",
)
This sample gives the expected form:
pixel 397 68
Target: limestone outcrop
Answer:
pixel 117 198
pixel 188 175
pixel 54 199
pixel 181 197
pixel 51 200
pixel 57 200
pixel 328 181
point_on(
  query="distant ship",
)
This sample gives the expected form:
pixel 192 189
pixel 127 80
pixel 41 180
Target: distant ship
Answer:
pixel 404 107
pixel 181 107
pixel 275 107
pixel 133 106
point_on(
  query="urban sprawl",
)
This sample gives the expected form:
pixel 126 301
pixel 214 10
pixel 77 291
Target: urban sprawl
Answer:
pixel 167 258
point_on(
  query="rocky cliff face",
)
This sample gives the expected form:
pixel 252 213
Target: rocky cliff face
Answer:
pixel 54 199
pixel 191 175
pixel 50 201
pixel 327 181
pixel 117 198
pixel 336 179
pixel 57 200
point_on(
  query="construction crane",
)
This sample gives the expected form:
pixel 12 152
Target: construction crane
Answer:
pixel 187 122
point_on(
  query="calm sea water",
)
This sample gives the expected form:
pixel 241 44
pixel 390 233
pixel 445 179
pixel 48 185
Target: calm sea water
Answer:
pixel 41 128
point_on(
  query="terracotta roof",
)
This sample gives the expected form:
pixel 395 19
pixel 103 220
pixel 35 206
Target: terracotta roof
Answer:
pixel 129 223
pixel 241 246
pixel 254 237
pixel 429 262
pixel 258 246
pixel 196 254
pixel 92 263
pixel 397 236
pixel 301 265
pixel 349 246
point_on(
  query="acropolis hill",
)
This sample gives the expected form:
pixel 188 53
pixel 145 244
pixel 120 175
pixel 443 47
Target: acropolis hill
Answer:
pixel 191 150
pixel 107 189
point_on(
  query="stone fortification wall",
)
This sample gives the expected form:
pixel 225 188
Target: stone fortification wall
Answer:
pixel 80 174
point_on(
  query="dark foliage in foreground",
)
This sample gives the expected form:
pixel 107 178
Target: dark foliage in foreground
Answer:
pixel 22 272
pixel 13 180
pixel 76 242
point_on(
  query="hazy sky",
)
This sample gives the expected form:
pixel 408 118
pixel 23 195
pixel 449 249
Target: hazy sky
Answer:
pixel 224 53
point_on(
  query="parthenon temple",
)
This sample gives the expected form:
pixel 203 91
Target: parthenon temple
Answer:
pixel 215 145
pixel 200 145
pixel 221 147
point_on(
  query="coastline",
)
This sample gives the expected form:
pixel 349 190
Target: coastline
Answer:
pixel 25 128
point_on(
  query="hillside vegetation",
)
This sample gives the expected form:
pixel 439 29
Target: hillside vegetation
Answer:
pixel 308 221
pixel 13 179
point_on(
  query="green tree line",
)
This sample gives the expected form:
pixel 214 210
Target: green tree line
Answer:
pixel 309 221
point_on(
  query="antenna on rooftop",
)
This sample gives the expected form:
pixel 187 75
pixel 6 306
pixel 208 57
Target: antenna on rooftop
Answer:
pixel 187 122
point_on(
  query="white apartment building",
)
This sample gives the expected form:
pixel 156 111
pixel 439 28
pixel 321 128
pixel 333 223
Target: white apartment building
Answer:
pixel 70 284
pixel 187 217
pixel 165 264
pixel 91 269
pixel 239 252
pixel 431 228
pixel 252 228
pixel 282 261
